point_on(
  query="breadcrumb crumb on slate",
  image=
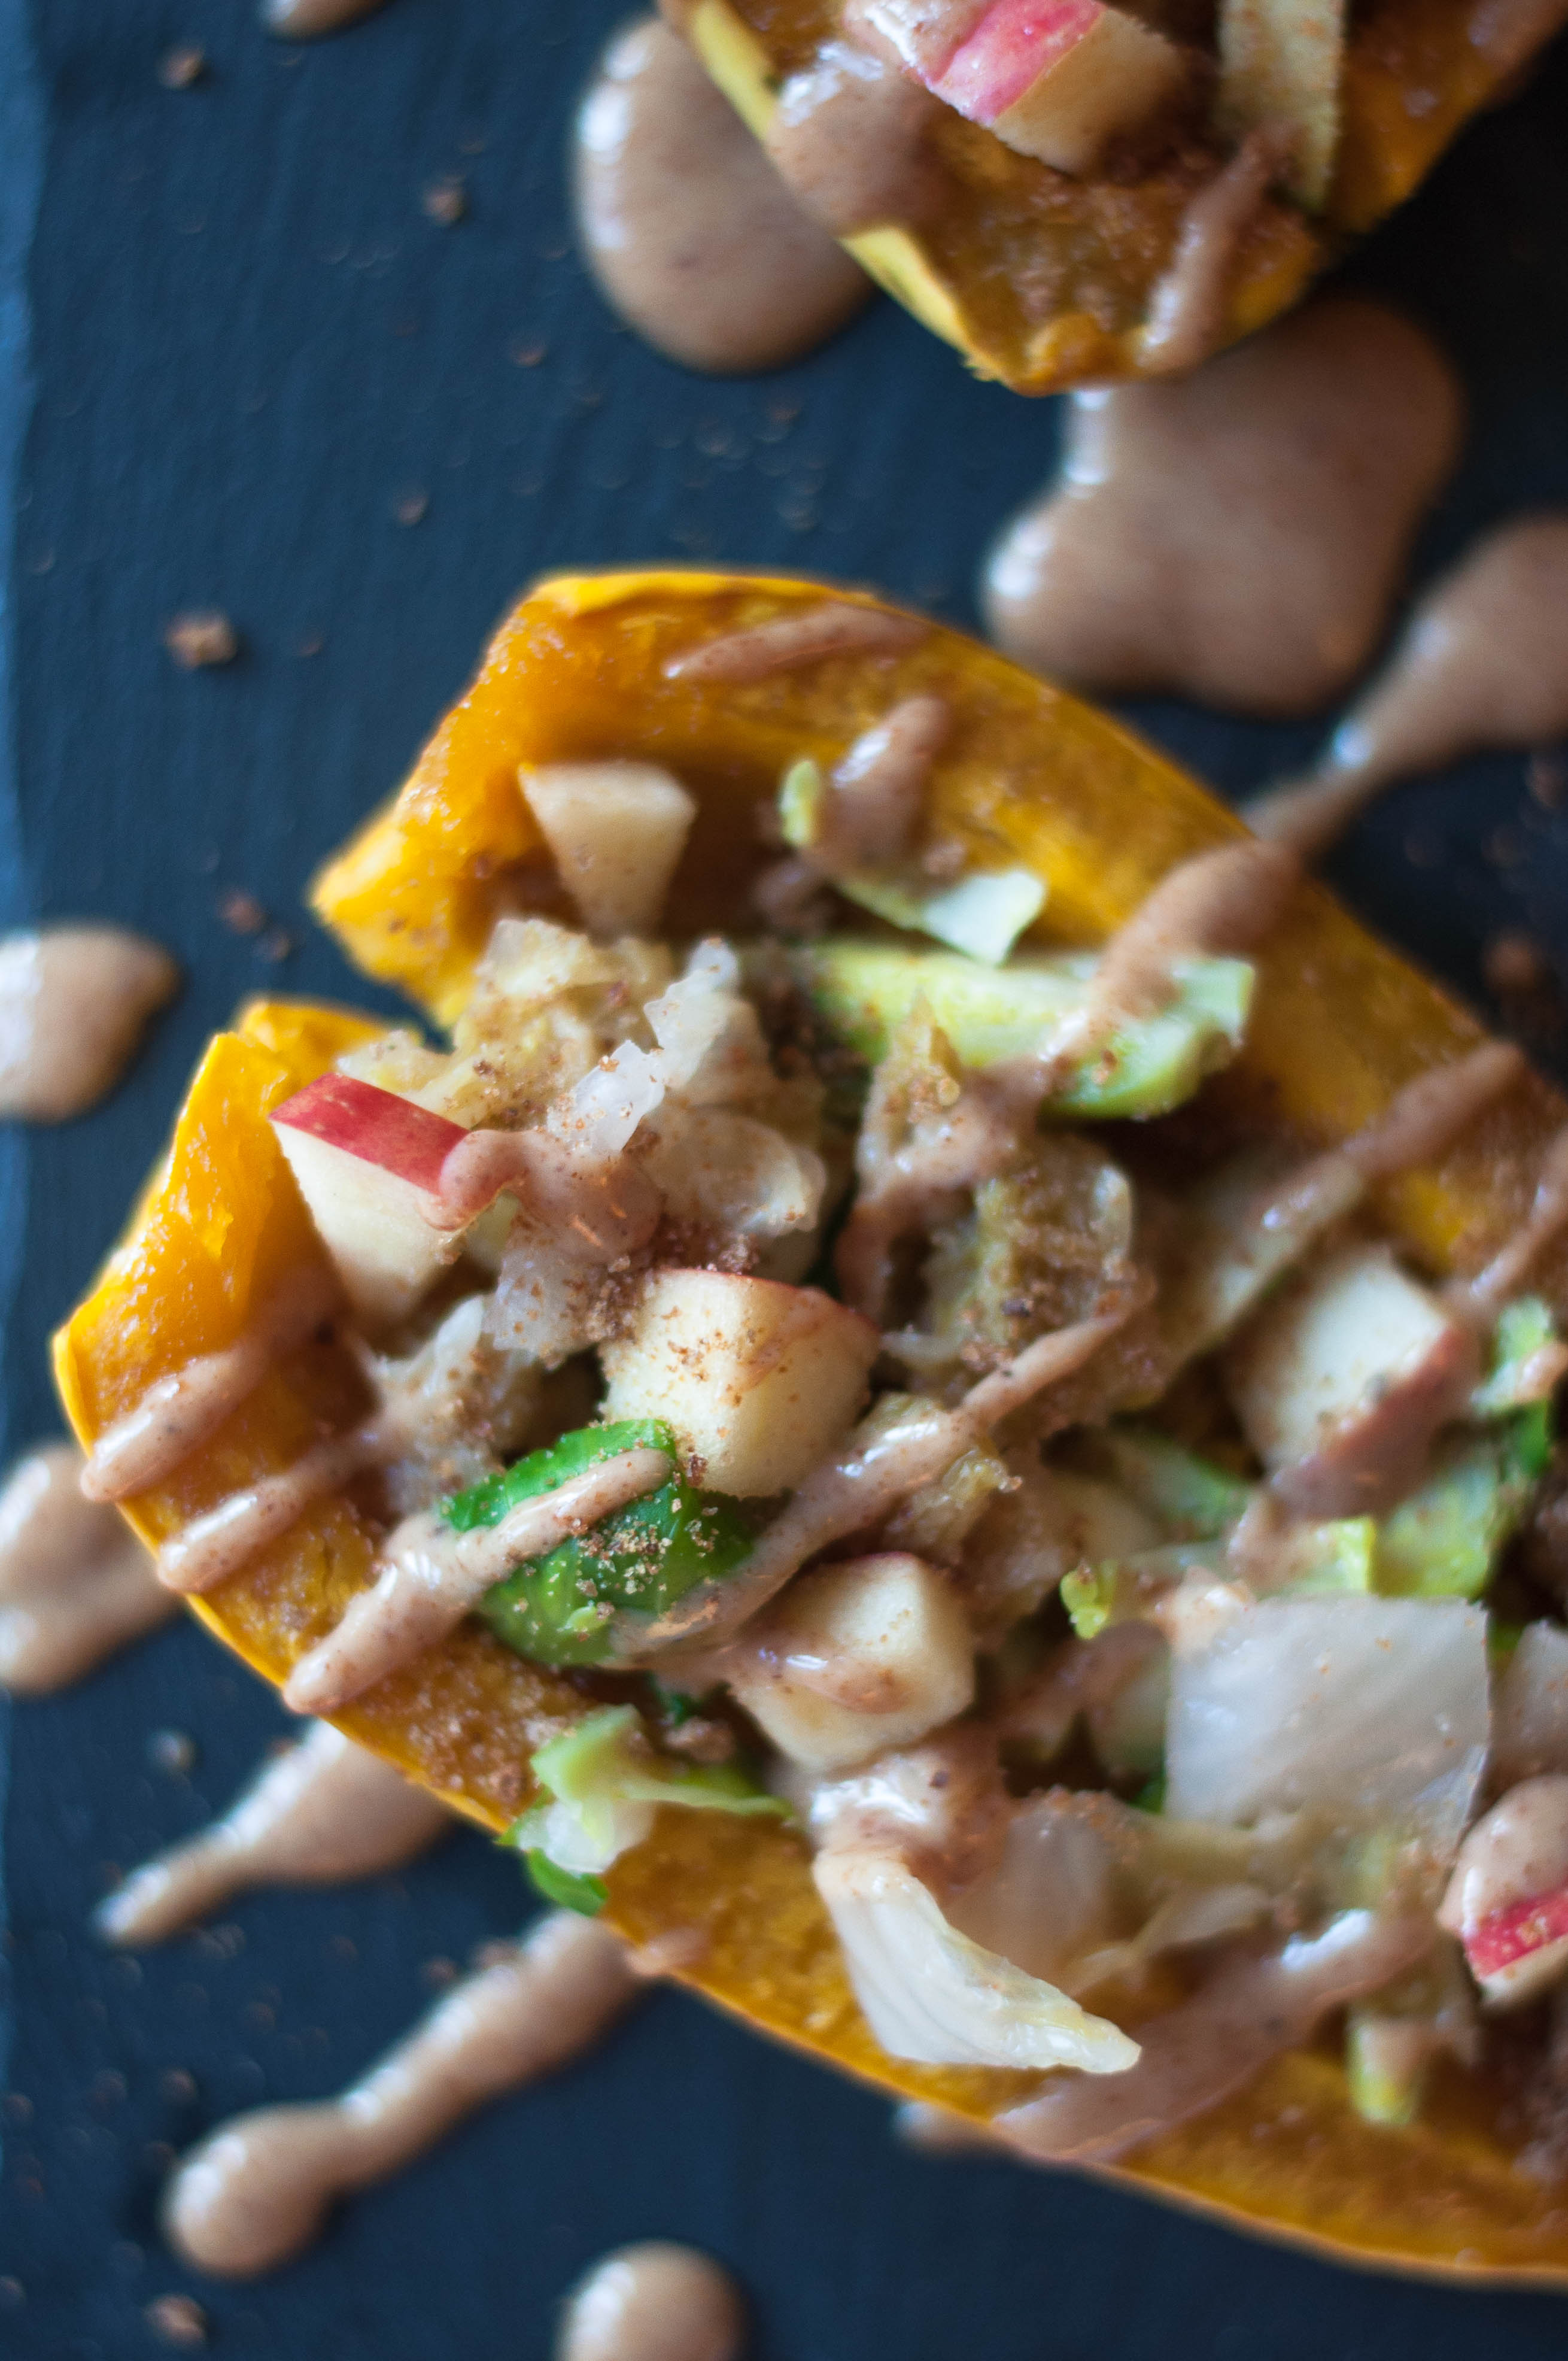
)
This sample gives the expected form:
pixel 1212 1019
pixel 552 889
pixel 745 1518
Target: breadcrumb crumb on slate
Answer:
pixel 183 66
pixel 242 913
pixel 200 638
pixel 1514 961
pixel 446 201
pixel 177 2320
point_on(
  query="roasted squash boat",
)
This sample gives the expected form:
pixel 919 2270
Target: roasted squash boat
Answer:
pixel 1068 190
pixel 938 1398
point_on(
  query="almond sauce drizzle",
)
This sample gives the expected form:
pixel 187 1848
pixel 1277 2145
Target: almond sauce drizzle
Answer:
pixel 1482 1297
pixel 1247 2010
pixel 738 659
pixel 178 1412
pixel 321 1813
pixel 430 1576
pixel 692 236
pixel 258 2190
pixel 1191 303
pixel 654 2301
pixel 1482 663
pixel 75 1002
pixel 217 1544
pixel 1236 538
pixel 75 1584
pixel 1288 1217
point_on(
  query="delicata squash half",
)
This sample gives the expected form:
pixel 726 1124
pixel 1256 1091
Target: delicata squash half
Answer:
pixel 1068 190
pixel 938 1394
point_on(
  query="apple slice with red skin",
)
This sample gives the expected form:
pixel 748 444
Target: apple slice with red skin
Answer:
pixel 368 1166
pixel 1508 1898
pixel 1059 79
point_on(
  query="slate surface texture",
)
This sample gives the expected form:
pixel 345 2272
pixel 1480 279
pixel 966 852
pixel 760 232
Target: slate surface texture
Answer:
pixel 236 358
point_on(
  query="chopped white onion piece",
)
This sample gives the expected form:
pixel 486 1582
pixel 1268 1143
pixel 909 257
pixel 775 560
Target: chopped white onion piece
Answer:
pixel 930 1994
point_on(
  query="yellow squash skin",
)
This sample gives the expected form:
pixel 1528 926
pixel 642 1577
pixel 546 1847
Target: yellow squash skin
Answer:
pixel 575 672
pixel 1045 281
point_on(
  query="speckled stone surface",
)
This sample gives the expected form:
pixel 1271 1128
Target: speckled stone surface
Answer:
pixel 241 368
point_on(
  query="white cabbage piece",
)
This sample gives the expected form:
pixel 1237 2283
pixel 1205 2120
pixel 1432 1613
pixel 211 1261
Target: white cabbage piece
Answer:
pixel 1353 1706
pixel 1530 1709
pixel 463 1406
pixel 1085 1890
pixel 1052 1894
pixel 730 1179
pixel 702 1028
pixel 930 1994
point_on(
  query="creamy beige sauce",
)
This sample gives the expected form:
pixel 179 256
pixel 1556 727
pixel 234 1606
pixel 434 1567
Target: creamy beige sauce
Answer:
pixel 1237 538
pixel 1190 304
pixel 321 1813
pixel 177 1414
pixel 306 20
pixel 1243 1240
pixel 853 1493
pixel 258 2189
pixel 851 137
pixel 1482 663
pixel 692 236
pixel 1216 905
pixel 653 2302
pixel 75 1002
pixel 597 1208
pixel 741 658
pixel 75 1584
pixel 430 1576
pixel 1248 2010
pixel 216 1545
pixel 1484 1296
pixel 878 791
pixel 1422 1121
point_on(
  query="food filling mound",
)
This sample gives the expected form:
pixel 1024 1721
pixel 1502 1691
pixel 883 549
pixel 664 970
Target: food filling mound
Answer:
pixel 863 1360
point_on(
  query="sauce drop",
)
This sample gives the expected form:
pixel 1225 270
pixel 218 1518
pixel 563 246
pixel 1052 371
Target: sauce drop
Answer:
pixel 653 2302
pixel 75 1584
pixel 323 1812
pixel 691 234
pixel 1235 538
pixel 73 1004
pixel 307 20
pixel 1483 662
pixel 258 2189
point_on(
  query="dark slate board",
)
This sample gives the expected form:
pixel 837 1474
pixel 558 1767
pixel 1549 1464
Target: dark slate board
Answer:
pixel 247 345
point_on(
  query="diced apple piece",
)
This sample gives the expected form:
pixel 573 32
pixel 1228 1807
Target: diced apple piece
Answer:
pixel 1507 1898
pixel 1059 79
pixel 1280 64
pixel 1344 1380
pixel 617 831
pixel 758 1380
pixel 924 32
pixel 856 1658
pixel 369 1165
